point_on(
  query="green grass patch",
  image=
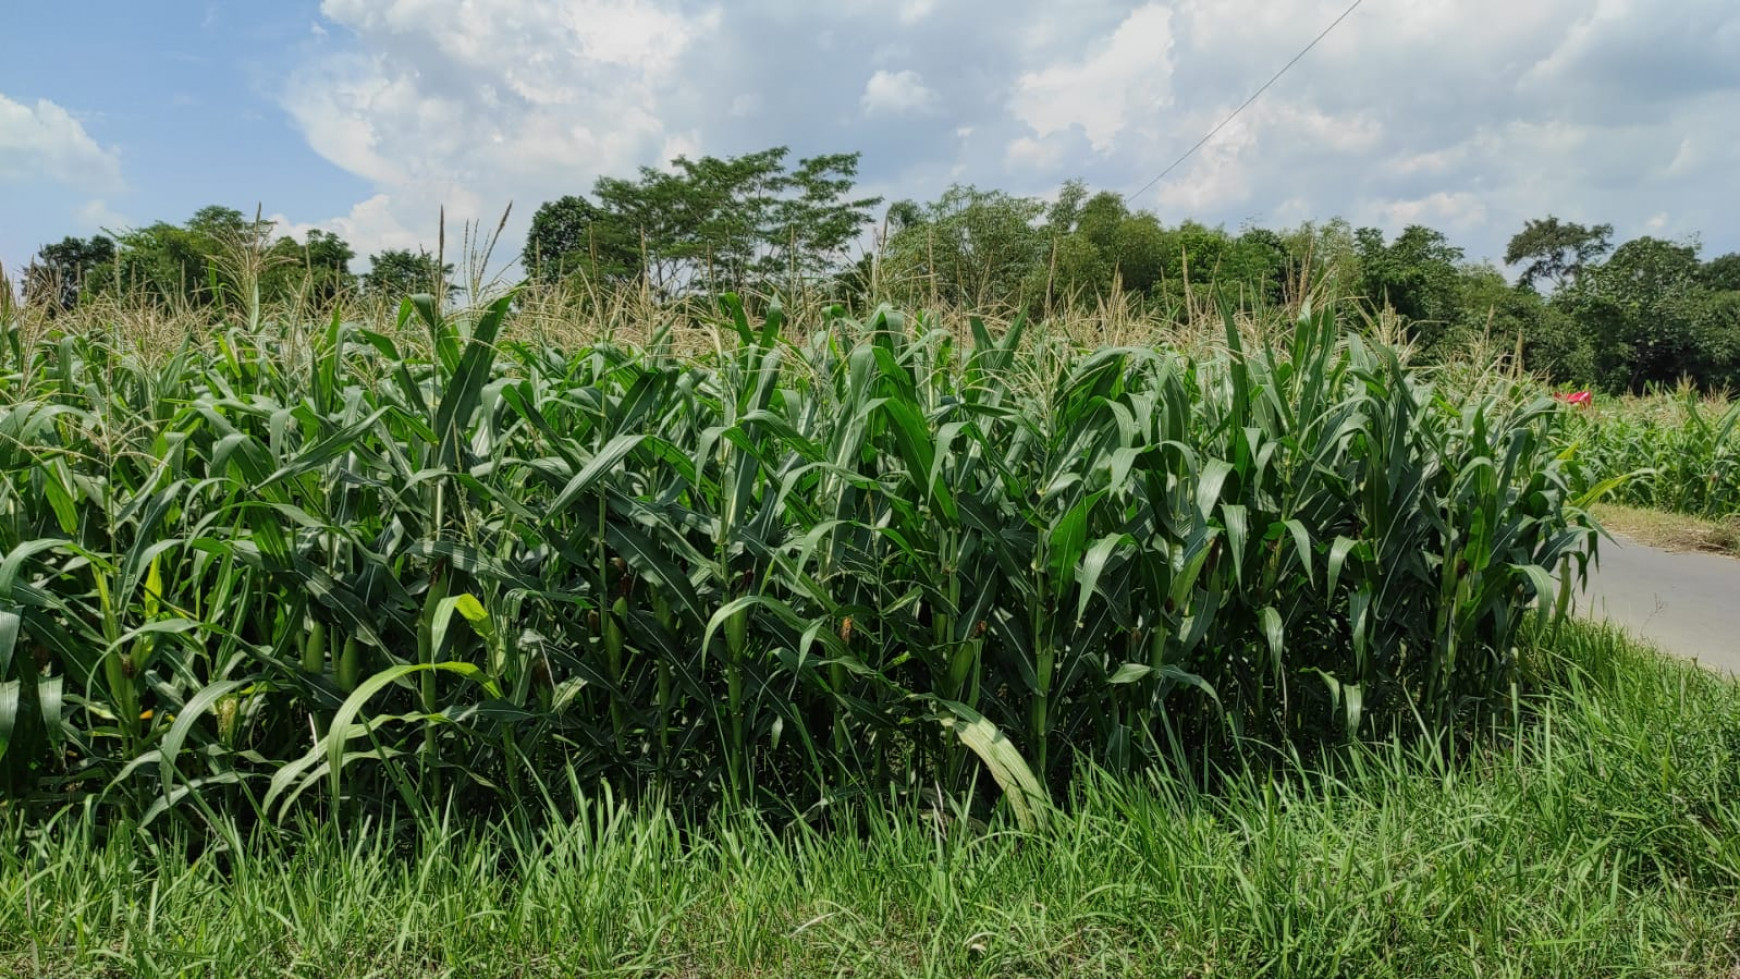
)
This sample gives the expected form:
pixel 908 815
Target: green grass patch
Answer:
pixel 1596 835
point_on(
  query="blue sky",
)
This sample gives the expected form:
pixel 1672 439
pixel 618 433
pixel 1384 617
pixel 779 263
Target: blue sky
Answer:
pixel 365 116
pixel 181 103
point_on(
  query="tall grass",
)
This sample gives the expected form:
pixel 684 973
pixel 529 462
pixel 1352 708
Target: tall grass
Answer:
pixel 418 564
pixel 1597 836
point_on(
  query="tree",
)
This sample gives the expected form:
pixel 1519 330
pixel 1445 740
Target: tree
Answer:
pixel 1722 273
pixel 1644 269
pixel 970 247
pixel 1131 245
pixel 1138 252
pixel 1418 275
pixel 902 215
pixel 316 269
pixel 816 221
pixel 745 223
pixel 57 276
pixel 1259 264
pixel 397 273
pixel 1552 342
pixel 1324 254
pixel 1556 250
pixel 571 234
pixel 1648 316
pixel 974 246
pixel 1078 260
pixel 195 263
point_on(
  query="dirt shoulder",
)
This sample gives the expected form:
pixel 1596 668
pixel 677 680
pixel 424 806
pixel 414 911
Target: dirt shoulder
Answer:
pixel 1672 531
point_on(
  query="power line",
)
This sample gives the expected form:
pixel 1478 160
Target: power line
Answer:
pixel 1254 96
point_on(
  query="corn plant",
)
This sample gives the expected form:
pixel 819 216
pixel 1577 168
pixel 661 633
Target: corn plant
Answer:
pixel 1685 460
pixel 419 565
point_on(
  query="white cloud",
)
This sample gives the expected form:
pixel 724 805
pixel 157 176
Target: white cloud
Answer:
pixel 1127 79
pixel 1431 161
pixel 1411 110
pixel 96 215
pixel 1686 159
pixel 44 142
pixel 1037 154
pixel 1459 210
pixel 447 102
pixel 913 11
pixel 896 93
pixel 1216 176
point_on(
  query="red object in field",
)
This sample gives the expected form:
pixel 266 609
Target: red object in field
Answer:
pixel 1581 399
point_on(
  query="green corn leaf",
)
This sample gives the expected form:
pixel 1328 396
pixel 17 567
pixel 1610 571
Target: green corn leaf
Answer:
pixel 332 746
pixel 1092 566
pixel 10 622
pixel 1027 797
pixel 9 695
pixel 603 462
pixel 185 719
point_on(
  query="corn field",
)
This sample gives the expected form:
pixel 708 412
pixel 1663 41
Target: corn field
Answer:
pixel 351 568
pixel 1678 454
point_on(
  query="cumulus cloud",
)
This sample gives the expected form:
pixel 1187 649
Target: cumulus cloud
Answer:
pixel 1125 77
pixel 445 102
pixel 97 215
pixel 1411 111
pixel 896 93
pixel 44 142
pixel 1036 154
pixel 1456 211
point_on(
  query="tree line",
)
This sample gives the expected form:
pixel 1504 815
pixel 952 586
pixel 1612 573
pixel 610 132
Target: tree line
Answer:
pixel 218 252
pixel 1584 310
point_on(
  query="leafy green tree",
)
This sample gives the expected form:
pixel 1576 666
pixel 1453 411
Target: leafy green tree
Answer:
pixel 1132 245
pixel 969 247
pixel 194 263
pixel 1418 275
pixel 903 214
pixel 976 245
pixel 58 274
pixel 1721 273
pixel 1261 266
pixel 1251 268
pixel 1191 258
pixel 1079 261
pixel 746 222
pixel 1646 312
pixel 316 269
pixel 1549 248
pixel 1093 242
pixel 816 220
pixel 1323 255
pixel 396 273
pixel 1646 268
pixel 1064 214
pixel 1138 250
pixel 1552 342
pixel 571 234
pixel 1715 361
pixel 1077 269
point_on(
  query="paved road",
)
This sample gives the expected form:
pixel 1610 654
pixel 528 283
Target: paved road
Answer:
pixel 1686 603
